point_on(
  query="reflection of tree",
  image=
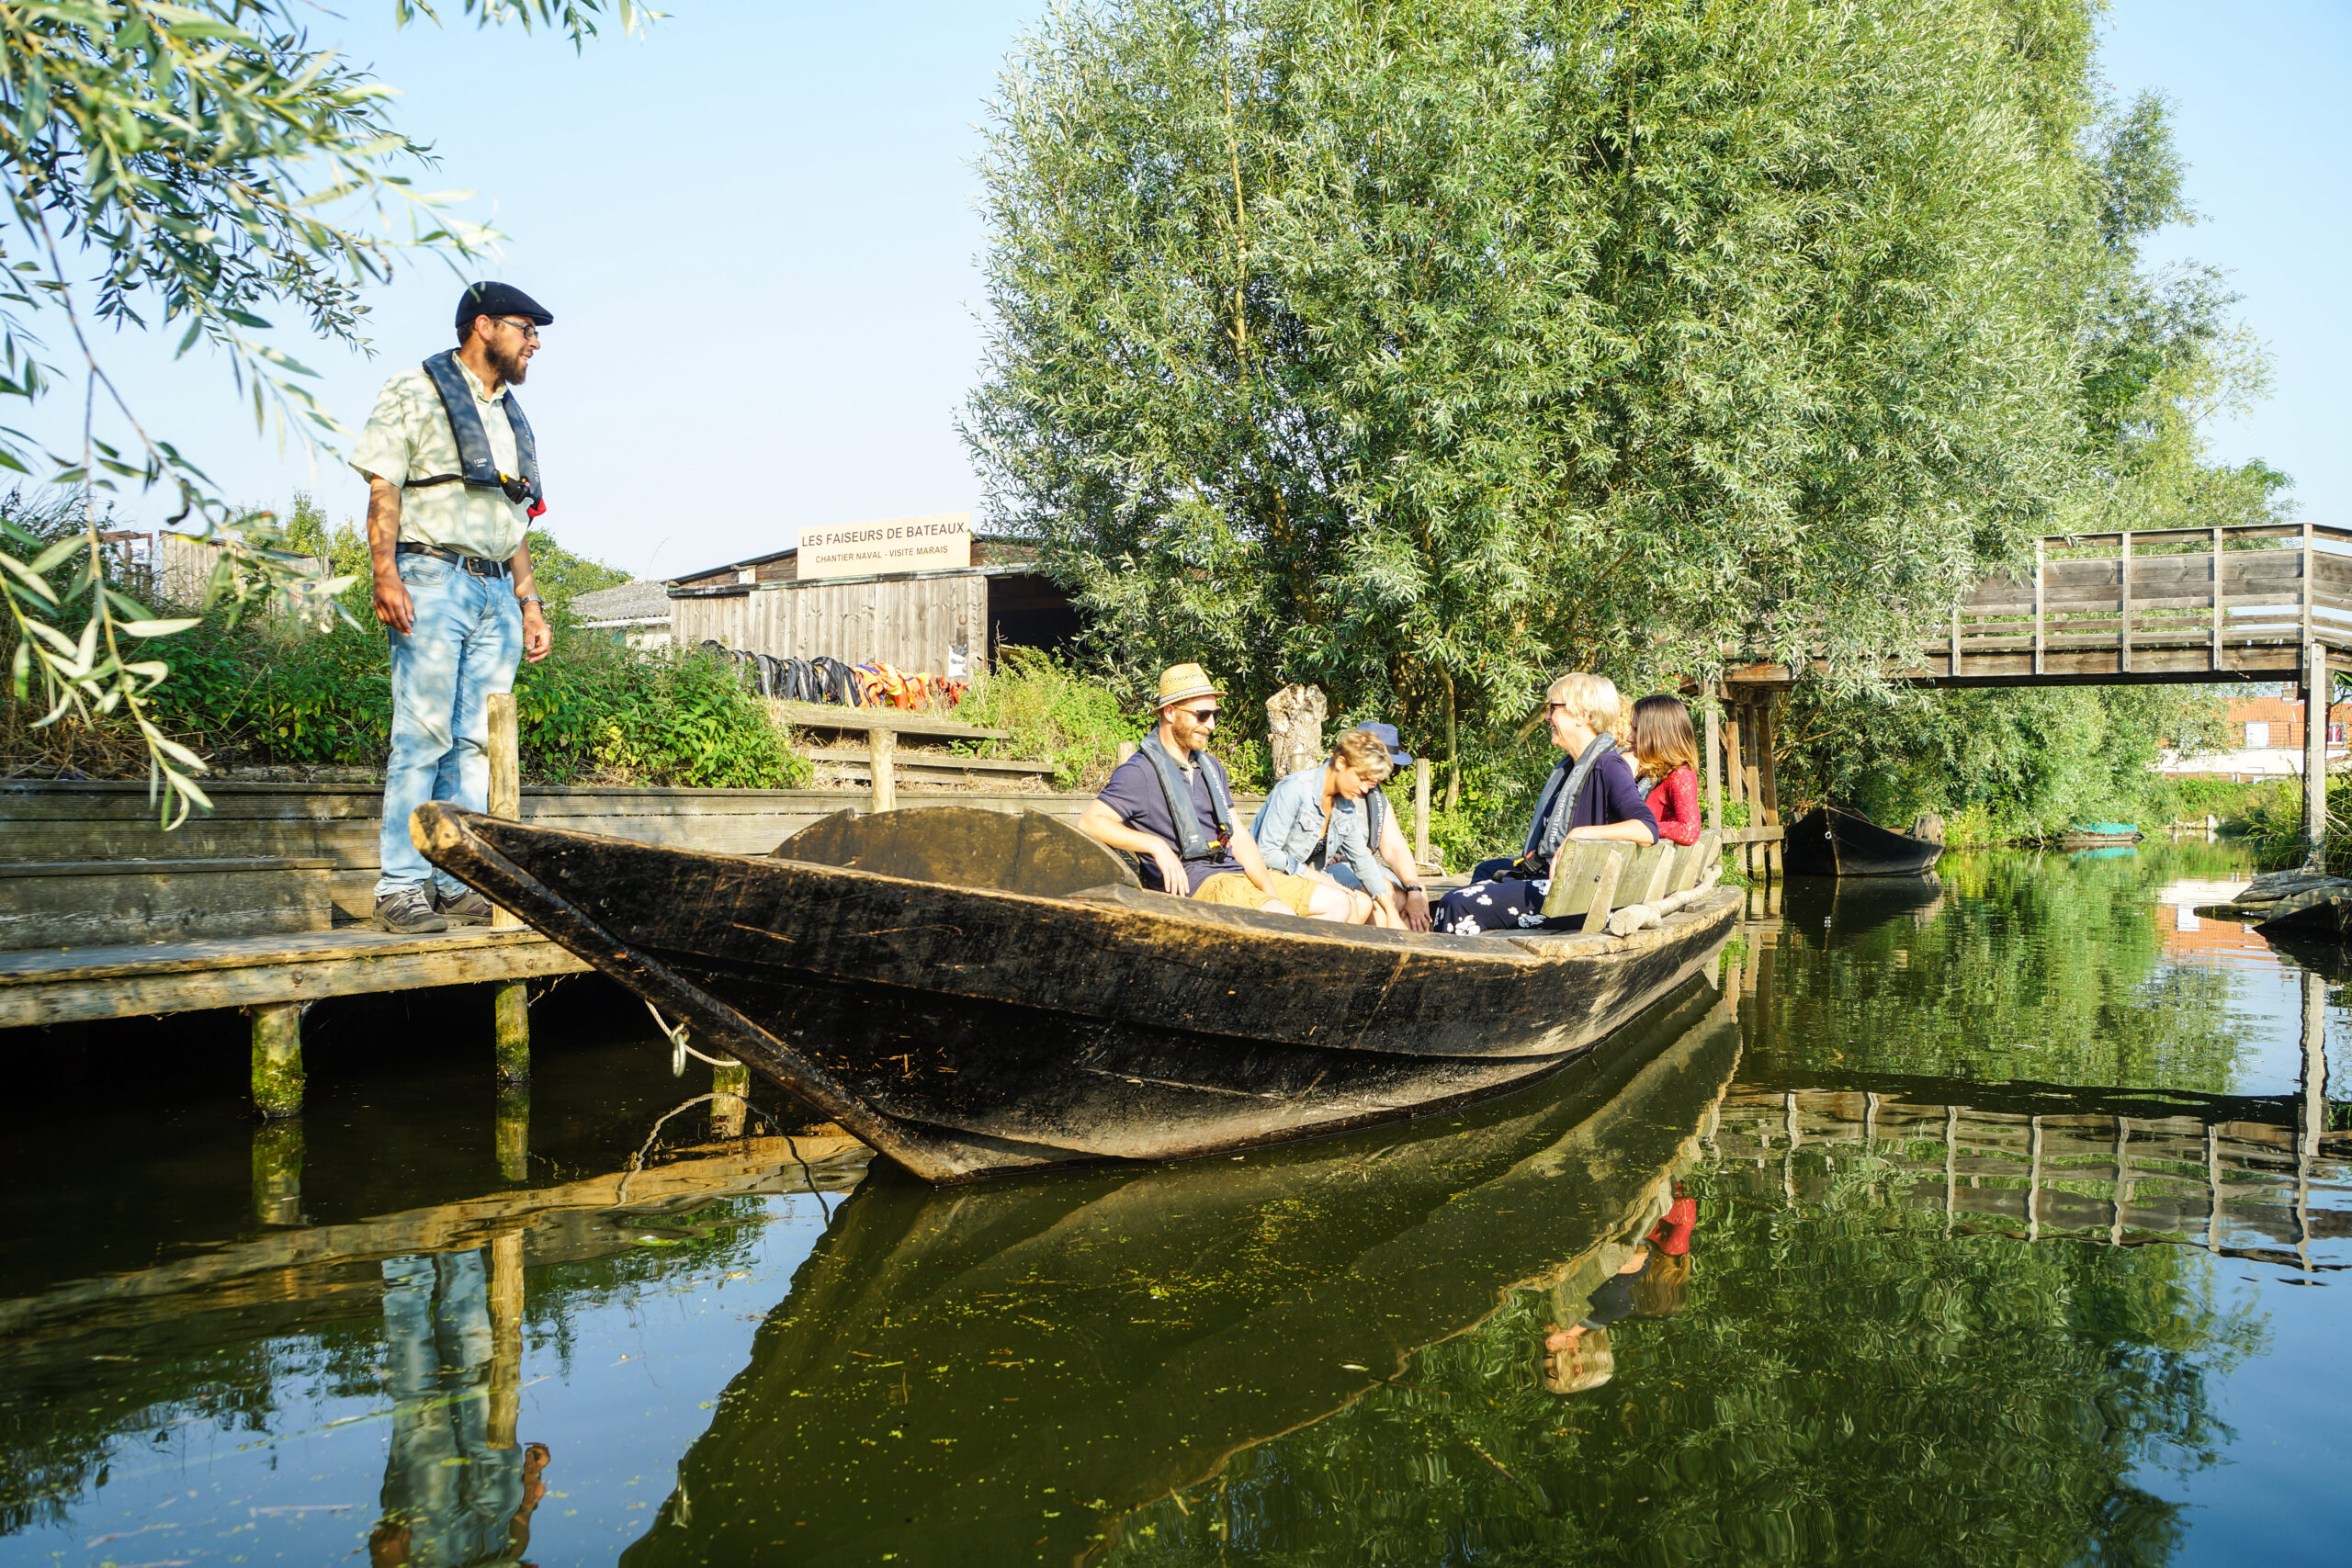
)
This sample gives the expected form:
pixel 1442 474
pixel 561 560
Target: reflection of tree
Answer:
pixel 2035 968
pixel 1848 1384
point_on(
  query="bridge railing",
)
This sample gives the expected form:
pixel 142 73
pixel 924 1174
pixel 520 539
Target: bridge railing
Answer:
pixel 2175 602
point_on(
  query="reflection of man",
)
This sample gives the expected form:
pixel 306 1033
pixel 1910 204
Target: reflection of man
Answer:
pixel 453 1494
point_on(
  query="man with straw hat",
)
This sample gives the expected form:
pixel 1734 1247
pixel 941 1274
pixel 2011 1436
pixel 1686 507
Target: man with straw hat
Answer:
pixel 1170 806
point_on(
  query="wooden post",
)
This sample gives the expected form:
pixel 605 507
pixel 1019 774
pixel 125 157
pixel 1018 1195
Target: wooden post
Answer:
pixel 278 1173
pixel 2040 601
pixel 505 777
pixel 2306 574
pixel 510 1131
pixel 278 1058
pixel 1127 748
pixel 510 1002
pixel 1767 780
pixel 1712 696
pixel 2123 587
pixel 511 1016
pixel 505 1337
pixel 882 753
pixel 2215 662
pixel 2316 680
pixel 1955 639
pixel 730 1081
pixel 2311 1127
pixel 1420 811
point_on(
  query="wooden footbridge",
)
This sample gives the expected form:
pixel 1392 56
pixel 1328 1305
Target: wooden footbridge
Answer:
pixel 2164 606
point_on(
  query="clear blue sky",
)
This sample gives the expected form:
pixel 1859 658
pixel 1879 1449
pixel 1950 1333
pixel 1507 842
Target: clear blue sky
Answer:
pixel 752 341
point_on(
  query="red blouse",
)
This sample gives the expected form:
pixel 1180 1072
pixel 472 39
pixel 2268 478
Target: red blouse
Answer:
pixel 1675 804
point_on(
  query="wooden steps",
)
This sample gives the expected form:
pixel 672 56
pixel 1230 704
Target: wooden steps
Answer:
pixel 842 766
pixel 897 721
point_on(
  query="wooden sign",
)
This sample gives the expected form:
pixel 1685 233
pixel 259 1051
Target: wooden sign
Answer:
pixel 905 543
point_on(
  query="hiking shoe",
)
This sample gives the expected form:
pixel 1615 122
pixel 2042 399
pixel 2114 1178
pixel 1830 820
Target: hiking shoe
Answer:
pixel 468 908
pixel 408 912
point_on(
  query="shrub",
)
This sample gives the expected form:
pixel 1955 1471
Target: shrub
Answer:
pixel 1053 714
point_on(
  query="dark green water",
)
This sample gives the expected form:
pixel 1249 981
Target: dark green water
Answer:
pixel 2015 1223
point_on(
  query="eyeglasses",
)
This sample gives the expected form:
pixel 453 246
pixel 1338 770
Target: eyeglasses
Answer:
pixel 530 333
pixel 1202 716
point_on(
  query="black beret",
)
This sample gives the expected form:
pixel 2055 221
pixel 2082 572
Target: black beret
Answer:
pixel 498 300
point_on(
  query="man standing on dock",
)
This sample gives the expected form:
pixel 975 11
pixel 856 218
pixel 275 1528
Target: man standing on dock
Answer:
pixel 453 483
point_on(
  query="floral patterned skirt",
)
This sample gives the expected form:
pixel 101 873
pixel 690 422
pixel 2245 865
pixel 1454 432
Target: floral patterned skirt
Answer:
pixel 1499 904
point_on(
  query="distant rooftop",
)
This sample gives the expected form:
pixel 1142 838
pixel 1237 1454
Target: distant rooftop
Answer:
pixel 643 601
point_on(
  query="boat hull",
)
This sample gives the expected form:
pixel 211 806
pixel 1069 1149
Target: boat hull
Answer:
pixel 963 1031
pixel 1827 841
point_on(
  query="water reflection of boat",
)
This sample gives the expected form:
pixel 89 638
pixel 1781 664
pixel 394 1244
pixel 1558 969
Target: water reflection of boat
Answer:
pixel 996 1374
pixel 1830 841
pixel 1832 912
pixel 973 992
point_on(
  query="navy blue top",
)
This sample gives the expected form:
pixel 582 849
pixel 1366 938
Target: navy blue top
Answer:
pixel 1134 794
pixel 1609 795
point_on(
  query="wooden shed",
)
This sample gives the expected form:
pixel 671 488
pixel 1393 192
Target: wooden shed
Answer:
pixel 943 623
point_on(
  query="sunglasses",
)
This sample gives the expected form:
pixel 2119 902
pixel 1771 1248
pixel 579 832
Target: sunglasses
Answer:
pixel 1202 716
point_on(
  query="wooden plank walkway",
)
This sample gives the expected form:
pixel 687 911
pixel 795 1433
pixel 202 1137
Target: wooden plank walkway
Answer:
pixel 71 985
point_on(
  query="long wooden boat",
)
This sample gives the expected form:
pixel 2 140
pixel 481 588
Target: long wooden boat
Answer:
pixel 2099 835
pixel 1002 1375
pixel 972 992
pixel 1830 841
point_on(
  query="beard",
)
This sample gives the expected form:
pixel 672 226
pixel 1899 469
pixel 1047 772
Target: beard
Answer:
pixel 511 365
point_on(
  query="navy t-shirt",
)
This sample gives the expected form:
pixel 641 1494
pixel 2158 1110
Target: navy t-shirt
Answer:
pixel 1134 794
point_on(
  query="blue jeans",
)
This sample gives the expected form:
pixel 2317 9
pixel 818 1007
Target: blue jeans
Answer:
pixel 464 645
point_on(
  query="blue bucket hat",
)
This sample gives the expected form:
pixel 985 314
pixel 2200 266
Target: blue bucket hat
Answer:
pixel 1397 756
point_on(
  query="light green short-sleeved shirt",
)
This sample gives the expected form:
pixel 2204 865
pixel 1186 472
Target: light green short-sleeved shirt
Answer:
pixel 408 437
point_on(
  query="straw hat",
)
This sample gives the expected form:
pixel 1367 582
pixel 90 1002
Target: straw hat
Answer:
pixel 1182 682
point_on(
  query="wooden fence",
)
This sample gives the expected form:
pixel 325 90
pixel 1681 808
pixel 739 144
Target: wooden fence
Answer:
pixel 933 624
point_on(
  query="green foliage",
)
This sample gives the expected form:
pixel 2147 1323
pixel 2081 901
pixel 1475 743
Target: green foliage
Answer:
pixel 186 163
pixel 2032 760
pixel 1418 350
pixel 1054 714
pixel 267 693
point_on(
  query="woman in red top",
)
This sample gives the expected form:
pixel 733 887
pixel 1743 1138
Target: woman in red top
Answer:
pixel 1666 755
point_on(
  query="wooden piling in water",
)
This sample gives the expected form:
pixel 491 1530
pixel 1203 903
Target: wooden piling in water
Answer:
pixel 277 1172
pixel 511 1132
pixel 511 1002
pixel 506 1402
pixel 278 1058
pixel 730 1081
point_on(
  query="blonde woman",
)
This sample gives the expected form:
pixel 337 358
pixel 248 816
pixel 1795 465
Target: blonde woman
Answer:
pixel 1590 794
pixel 1328 823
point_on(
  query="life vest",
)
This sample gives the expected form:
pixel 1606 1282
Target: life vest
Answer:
pixel 1177 790
pixel 480 471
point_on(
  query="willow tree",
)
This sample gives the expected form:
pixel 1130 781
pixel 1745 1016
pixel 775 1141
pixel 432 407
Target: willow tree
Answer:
pixel 1420 348
pixel 181 166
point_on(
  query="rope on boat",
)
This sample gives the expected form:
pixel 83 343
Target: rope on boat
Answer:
pixel 679 1050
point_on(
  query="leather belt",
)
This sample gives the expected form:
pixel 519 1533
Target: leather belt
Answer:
pixel 480 566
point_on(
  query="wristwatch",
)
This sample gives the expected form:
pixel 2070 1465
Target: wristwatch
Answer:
pixel 530 599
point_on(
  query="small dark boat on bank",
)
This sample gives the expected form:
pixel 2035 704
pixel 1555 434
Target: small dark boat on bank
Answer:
pixel 971 992
pixel 1830 841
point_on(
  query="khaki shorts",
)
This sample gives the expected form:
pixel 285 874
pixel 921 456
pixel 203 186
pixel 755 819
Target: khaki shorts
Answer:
pixel 1232 888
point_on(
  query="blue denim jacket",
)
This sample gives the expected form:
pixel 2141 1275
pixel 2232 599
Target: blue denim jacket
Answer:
pixel 1288 825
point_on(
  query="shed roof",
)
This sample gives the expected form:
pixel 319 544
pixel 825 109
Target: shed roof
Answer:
pixel 646 600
